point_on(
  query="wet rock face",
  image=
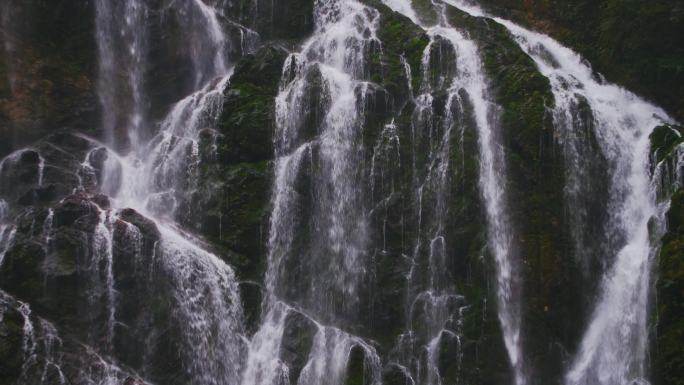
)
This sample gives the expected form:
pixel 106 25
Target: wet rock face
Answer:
pixel 51 169
pixel 60 257
pixel 92 271
pixel 235 177
pixel 97 272
pixel 668 366
pixel 33 352
pixel 289 20
pixel 296 345
pixel 666 150
pixel 68 254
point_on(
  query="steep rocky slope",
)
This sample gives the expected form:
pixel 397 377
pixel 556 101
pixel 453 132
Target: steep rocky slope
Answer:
pixel 337 192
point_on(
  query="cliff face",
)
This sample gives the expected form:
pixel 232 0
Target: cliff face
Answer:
pixel 49 67
pixel 340 192
pixel 638 44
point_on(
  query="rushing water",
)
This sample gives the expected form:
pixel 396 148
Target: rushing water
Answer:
pixel 156 175
pixel 613 349
pixel 470 78
pixel 121 37
pixel 318 265
pixel 334 261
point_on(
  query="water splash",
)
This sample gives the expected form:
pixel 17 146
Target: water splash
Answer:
pixel 163 174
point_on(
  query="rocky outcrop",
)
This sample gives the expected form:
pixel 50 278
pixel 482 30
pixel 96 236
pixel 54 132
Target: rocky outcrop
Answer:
pixel 234 193
pixel 32 351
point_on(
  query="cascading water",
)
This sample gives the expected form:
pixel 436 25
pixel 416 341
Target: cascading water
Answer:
pixel 333 260
pixel 340 175
pixel 157 176
pixel 613 350
pixel 121 45
pixel 7 230
pixel 469 77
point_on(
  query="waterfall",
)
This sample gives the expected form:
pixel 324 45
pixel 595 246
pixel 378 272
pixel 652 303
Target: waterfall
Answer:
pixel 121 38
pixel 335 54
pixel 614 347
pixel 613 350
pixel 163 172
pixel 337 253
pixel 392 180
pixel 470 78
pixel 156 176
pixel 333 261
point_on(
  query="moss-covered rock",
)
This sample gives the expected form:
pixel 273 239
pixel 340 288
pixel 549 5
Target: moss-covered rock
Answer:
pixel 668 365
pixel 536 181
pixel 402 42
pixel 246 126
pixel 231 203
pixel 635 43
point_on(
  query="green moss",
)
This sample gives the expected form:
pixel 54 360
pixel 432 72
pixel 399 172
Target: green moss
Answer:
pixel 236 213
pixel 399 37
pixel 535 182
pixel 639 44
pixel 248 119
pixel 668 351
pixel 235 185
